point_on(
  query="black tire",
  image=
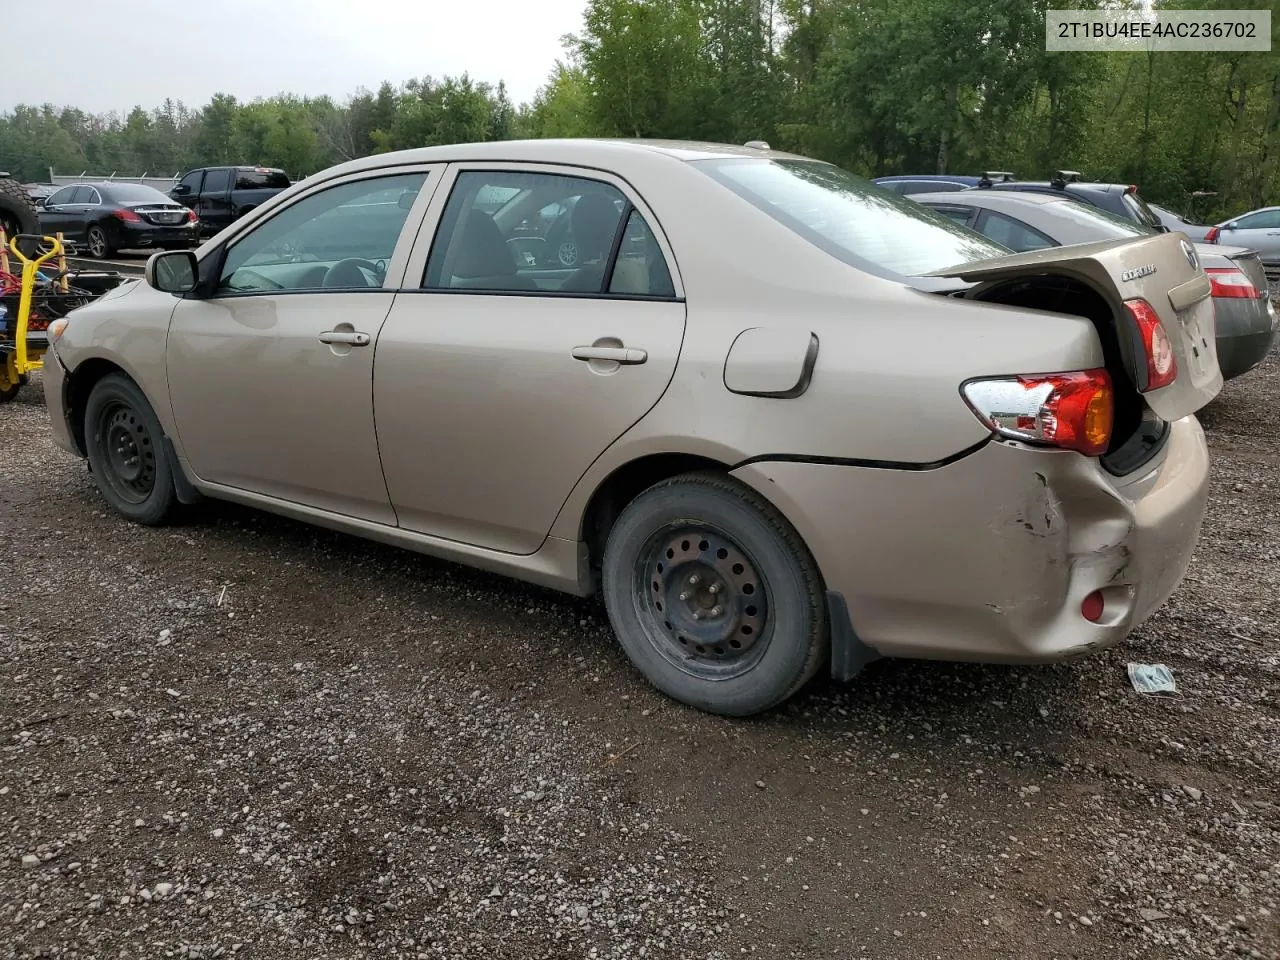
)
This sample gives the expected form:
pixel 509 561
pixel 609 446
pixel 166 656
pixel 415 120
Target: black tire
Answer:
pixel 126 452
pixel 738 650
pixel 97 244
pixel 9 391
pixel 18 212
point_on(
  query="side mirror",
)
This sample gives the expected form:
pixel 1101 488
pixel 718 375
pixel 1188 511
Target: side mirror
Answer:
pixel 1229 226
pixel 173 271
pixel 181 190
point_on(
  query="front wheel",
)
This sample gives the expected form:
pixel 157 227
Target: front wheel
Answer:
pixel 126 451
pixel 714 596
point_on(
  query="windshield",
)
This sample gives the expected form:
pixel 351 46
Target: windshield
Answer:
pixel 133 193
pixel 851 218
pixel 1107 224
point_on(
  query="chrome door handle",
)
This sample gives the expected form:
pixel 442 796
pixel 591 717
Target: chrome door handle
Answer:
pixel 345 336
pixel 627 355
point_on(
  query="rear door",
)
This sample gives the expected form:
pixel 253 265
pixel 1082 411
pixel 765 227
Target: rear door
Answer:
pixel 498 381
pixel 1164 271
pixel 214 207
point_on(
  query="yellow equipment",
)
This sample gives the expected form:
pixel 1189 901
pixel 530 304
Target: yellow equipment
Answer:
pixel 22 345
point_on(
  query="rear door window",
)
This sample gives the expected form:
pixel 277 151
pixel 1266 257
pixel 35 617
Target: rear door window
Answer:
pixel 216 181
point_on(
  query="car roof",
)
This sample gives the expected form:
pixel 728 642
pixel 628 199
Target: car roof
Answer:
pixel 1003 197
pixel 939 177
pixel 588 152
pixel 1033 186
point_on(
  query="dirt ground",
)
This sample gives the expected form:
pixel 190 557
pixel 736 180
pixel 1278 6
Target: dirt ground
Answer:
pixel 242 736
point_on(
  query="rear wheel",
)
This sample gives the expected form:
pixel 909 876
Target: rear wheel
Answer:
pixel 98 244
pixel 714 596
pixel 126 451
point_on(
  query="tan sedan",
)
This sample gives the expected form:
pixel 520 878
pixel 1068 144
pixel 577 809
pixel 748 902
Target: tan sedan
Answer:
pixel 783 420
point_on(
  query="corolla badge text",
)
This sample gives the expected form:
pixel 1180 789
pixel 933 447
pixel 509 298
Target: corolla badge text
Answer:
pixel 1137 272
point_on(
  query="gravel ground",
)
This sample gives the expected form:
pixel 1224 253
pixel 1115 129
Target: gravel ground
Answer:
pixel 245 737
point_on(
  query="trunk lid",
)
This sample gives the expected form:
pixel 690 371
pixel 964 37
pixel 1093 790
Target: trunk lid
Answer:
pixel 1164 271
pixel 160 214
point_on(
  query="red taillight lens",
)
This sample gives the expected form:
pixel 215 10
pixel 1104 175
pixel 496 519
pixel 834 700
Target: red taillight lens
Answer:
pixel 191 216
pixel 128 216
pixel 1073 411
pixel 1162 365
pixel 1212 235
pixel 1230 282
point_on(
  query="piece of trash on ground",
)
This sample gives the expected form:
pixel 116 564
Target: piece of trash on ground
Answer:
pixel 1152 678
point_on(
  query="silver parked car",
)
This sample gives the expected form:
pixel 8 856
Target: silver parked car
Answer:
pixel 1246 319
pixel 1259 230
pixel 1176 221
pixel 782 419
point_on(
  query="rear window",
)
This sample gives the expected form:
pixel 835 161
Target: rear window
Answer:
pixel 1107 224
pixel 133 193
pixel 850 218
pixel 260 179
pixel 1142 213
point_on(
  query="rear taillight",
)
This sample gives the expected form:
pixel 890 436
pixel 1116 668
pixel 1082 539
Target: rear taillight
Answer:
pixel 1212 235
pixel 191 216
pixel 1230 282
pixel 1162 365
pixel 126 215
pixel 1072 411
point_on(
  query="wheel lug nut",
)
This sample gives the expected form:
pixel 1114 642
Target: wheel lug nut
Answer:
pixel 717 610
pixel 694 579
pixel 714 588
pixel 684 596
pixel 697 614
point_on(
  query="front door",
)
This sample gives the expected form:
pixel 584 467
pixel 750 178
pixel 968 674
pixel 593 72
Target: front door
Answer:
pixel 502 374
pixel 271 379
pixel 1258 231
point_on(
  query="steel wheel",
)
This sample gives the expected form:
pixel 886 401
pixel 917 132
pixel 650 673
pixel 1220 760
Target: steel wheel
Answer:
pixel 713 595
pixel 702 601
pixel 126 449
pixel 98 246
pixel 129 452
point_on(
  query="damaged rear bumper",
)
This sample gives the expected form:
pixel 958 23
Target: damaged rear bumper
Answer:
pixel 989 558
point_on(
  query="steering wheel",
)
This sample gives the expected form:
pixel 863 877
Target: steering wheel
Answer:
pixel 341 273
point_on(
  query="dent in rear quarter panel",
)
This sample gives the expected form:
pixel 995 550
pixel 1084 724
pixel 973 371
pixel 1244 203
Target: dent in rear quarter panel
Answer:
pixel 990 557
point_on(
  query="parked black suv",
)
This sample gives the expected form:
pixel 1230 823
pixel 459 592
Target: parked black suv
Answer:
pixel 220 195
pixel 1117 198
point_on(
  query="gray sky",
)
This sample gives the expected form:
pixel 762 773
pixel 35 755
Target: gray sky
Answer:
pixel 126 52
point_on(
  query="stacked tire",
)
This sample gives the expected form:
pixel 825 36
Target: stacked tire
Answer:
pixel 18 212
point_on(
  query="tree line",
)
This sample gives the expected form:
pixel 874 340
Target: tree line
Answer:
pixel 876 86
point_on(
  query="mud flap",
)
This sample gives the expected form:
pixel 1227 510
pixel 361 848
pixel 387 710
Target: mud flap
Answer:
pixel 182 486
pixel 849 655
